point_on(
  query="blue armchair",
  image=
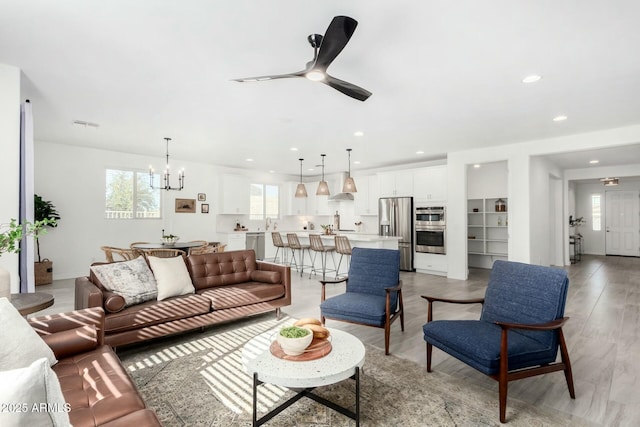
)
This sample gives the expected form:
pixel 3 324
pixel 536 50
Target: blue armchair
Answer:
pixel 373 294
pixel 519 331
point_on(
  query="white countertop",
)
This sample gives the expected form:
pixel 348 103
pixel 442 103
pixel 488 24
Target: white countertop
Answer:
pixel 356 237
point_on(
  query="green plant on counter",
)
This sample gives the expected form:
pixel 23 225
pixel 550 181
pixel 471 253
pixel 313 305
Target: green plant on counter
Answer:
pixel 12 234
pixel 294 332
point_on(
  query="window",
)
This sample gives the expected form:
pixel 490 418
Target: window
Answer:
pixel 596 213
pixel 129 195
pixel 263 201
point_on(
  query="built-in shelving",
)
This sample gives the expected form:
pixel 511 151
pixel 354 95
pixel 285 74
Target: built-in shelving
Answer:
pixel 487 232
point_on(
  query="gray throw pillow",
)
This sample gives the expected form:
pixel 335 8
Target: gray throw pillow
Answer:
pixel 131 279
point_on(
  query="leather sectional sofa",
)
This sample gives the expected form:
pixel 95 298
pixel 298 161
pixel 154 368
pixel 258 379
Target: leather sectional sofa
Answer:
pixel 228 285
pixel 93 382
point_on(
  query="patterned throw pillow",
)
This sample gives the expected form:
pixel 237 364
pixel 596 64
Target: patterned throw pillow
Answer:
pixel 131 279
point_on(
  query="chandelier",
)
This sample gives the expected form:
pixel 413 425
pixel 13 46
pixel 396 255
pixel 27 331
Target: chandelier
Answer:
pixel 166 175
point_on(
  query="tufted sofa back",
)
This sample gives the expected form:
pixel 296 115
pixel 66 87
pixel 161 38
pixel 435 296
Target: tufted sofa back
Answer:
pixel 219 269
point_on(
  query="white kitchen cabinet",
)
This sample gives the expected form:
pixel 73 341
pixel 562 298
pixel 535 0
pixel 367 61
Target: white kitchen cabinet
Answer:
pixel 318 205
pixel 365 200
pixel 430 184
pixel 395 184
pixel 234 190
pixel 236 241
pixel 430 263
pixel 292 205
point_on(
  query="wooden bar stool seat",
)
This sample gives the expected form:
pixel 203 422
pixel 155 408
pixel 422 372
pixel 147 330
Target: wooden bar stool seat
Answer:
pixel 319 248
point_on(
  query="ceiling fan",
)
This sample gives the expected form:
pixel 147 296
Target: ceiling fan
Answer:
pixel 325 50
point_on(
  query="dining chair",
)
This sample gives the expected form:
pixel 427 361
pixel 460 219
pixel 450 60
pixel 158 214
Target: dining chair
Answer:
pixel 316 245
pixel 373 295
pixel 121 254
pixel 163 252
pixel 295 245
pixel 519 331
pixel 203 244
pixel 203 250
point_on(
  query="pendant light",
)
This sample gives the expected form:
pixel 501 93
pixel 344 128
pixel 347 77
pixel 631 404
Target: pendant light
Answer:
pixel 301 190
pixel 349 184
pixel 323 187
pixel 166 182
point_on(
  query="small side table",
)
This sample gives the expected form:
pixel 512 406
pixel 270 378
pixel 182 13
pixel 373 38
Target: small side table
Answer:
pixel 576 242
pixel 31 302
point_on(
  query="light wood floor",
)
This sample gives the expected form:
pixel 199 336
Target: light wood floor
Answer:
pixel 603 335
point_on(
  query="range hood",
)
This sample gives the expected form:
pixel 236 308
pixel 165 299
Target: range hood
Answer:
pixel 340 197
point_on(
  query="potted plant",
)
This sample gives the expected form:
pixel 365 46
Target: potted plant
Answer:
pixel 10 237
pixel 44 211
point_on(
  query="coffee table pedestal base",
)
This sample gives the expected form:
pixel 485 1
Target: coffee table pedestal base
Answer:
pixel 307 392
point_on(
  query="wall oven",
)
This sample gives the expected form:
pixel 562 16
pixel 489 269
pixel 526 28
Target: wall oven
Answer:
pixel 430 230
pixel 430 216
pixel 430 239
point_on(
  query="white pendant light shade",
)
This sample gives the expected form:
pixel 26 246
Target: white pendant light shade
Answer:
pixel 349 185
pixel 301 190
pixel 323 187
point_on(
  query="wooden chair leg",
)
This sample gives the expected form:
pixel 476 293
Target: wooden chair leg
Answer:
pixel 503 381
pixel 564 353
pixel 387 333
pixel 429 351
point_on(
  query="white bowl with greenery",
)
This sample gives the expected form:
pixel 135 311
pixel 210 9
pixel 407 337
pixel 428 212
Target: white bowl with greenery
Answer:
pixel 294 339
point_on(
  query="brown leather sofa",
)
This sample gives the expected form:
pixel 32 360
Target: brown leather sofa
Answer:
pixel 229 285
pixel 93 382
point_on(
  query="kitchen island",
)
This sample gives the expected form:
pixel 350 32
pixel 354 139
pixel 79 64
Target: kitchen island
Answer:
pixel 357 240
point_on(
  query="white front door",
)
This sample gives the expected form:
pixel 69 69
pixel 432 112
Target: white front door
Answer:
pixel 622 223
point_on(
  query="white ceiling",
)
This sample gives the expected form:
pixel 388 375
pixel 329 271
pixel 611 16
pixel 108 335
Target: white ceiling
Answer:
pixel 445 76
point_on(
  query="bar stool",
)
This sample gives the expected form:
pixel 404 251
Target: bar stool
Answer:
pixel 318 247
pixel 343 247
pixel 279 244
pixel 294 245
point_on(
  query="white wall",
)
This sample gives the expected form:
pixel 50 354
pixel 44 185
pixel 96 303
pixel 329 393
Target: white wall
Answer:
pixel 547 241
pixel 488 181
pixel 593 242
pixel 73 178
pixel 9 158
pixel 519 189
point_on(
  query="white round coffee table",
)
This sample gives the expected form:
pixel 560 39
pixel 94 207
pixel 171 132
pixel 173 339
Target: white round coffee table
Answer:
pixel 343 362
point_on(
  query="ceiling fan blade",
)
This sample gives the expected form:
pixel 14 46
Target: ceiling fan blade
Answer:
pixel 274 77
pixel 347 88
pixel 335 39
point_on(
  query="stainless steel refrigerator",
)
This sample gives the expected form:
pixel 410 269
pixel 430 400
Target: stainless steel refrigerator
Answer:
pixel 395 217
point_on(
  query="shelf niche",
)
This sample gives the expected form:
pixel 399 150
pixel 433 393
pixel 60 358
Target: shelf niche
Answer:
pixel 487 232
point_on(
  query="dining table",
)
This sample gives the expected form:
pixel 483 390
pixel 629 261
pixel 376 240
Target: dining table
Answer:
pixel 184 246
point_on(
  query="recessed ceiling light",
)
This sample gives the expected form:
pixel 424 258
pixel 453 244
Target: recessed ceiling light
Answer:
pixel 249 160
pixel 532 78
pixel 560 118
pixel 272 171
pixel 310 169
pixel 419 152
pixel 356 162
pixel 293 149
pixel 593 162
pixel 476 166
pixel 358 133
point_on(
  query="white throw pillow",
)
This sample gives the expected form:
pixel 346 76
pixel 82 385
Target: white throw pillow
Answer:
pixel 32 396
pixel 171 276
pixel 131 279
pixel 20 344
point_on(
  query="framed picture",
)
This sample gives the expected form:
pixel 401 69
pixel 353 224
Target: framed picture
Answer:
pixel 186 205
pixel 204 208
pixel 202 197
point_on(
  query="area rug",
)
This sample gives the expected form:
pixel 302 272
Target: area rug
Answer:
pixel 197 379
